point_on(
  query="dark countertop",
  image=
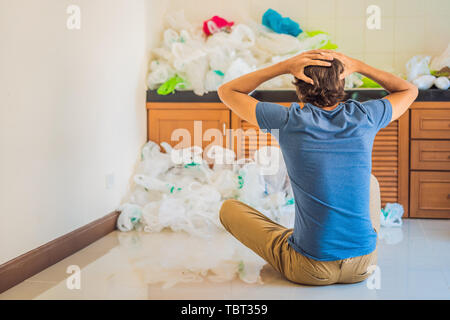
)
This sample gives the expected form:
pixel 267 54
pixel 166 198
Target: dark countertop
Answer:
pixel 290 95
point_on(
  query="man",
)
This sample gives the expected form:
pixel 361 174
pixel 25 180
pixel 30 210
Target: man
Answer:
pixel 327 147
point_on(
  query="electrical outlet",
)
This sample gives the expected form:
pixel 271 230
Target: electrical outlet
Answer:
pixel 109 181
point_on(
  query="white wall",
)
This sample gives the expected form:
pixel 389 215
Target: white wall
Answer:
pixel 72 109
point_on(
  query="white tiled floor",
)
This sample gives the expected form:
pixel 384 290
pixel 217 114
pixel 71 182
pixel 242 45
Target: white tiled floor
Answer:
pixel 414 263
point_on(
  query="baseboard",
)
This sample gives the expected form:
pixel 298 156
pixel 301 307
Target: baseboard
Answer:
pixel 23 267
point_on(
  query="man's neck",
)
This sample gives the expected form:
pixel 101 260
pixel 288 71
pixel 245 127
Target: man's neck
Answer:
pixel 331 107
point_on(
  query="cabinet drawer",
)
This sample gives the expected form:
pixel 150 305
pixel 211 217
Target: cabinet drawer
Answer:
pixel 430 124
pixel 430 195
pixel 430 155
pixel 185 128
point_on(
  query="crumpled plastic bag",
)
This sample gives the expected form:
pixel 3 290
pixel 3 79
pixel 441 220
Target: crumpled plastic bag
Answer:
pixel 278 43
pixel 275 21
pixel 391 215
pixel 129 217
pixel 213 80
pixel 424 82
pixel 236 69
pixel 160 72
pixel 353 80
pixel 316 39
pixel 442 83
pixel 417 66
pixel 216 24
pixel 171 85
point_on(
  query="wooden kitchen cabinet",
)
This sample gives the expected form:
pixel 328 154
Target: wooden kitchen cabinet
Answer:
pixel 430 160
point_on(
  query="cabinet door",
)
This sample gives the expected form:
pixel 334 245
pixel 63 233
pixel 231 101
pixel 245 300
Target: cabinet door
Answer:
pixel 430 195
pixel 185 128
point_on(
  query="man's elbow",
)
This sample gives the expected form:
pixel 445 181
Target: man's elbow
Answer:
pixel 222 92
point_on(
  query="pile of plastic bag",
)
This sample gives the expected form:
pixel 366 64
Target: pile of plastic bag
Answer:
pixel 424 72
pixel 182 190
pixel 201 58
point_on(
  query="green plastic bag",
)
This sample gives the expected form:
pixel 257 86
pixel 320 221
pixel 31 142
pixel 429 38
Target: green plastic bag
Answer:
pixel 168 87
pixel 309 34
pixel 369 83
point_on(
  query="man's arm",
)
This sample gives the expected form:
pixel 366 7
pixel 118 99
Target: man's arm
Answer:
pixel 401 93
pixel 234 93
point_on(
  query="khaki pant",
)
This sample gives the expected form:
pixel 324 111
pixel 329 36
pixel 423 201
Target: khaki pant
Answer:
pixel 269 240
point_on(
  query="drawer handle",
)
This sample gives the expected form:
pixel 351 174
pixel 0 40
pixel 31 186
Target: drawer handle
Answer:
pixel 448 196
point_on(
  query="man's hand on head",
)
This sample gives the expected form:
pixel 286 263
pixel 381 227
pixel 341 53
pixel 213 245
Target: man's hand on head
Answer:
pixel 350 65
pixel 296 65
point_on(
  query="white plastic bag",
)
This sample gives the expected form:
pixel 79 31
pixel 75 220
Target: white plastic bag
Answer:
pixel 353 80
pixel 391 215
pixel 442 83
pixel 213 80
pixel 153 161
pixel 314 42
pixel 242 36
pixel 129 216
pixel 160 72
pixel 253 187
pixel 424 82
pixel 417 66
pixel 279 43
pixel 236 69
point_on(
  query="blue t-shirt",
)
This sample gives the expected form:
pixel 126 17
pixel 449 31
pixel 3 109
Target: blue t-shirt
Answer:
pixel 328 155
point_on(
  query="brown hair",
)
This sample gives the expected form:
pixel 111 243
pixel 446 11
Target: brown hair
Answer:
pixel 327 90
